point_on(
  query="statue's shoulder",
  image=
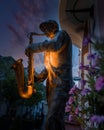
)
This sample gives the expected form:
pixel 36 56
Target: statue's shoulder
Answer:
pixel 66 35
pixel 64 32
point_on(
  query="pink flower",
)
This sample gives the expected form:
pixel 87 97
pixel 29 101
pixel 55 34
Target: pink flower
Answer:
pixel 71 100
pixel 76 111
pixel 99 83
pixel 73 89
pixel 67 108
pixel 71 118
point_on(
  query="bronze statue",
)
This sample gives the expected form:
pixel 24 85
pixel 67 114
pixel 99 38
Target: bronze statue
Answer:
pixel 58 71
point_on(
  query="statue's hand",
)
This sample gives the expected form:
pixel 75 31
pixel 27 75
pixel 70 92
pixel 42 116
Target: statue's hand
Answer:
pixel 28 50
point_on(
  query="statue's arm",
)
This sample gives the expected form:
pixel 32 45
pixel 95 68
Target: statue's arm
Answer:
pixel 48 45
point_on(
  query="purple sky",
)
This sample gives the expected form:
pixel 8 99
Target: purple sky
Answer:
pixel 18 18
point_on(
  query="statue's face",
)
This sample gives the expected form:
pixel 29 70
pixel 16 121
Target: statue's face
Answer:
pixel 51 35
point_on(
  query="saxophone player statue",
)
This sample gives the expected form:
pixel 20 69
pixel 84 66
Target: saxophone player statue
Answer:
pixel 58 71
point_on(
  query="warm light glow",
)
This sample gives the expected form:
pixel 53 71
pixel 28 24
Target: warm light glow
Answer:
pixel 51 35
pixel 26 94
pixel 51 59
pixel 19 70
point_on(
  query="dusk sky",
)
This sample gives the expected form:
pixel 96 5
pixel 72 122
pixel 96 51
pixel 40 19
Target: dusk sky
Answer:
pixel 18 18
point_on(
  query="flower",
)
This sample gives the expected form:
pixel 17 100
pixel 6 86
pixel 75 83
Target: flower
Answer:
pixel 97 119
pixel 99 83
pixel 83 67
pixel 77 111
pixel 86 41
pixel 85 91
pixel 67 108
pixel 73 89
pixel 83 82
pixel 71 100
pixel 91 56
pixel 71 118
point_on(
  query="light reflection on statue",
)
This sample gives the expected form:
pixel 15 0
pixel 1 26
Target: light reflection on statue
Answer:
pixel 58 71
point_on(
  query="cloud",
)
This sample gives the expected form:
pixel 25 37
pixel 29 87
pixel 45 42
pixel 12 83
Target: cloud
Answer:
pixel 16 33
pixel 27 18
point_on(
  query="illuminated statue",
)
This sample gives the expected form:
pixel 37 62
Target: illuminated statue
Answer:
pixel 58 73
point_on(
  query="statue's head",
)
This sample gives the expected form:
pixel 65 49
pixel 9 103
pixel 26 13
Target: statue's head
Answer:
pixel 49 27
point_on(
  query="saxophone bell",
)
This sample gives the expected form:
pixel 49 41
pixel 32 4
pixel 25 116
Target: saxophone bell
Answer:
pixel 24 92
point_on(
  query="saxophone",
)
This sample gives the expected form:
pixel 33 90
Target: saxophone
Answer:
pixel 26 92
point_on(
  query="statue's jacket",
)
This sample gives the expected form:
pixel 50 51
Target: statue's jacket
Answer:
pixel 57 60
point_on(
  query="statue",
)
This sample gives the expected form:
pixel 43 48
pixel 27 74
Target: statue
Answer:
pixel 58 71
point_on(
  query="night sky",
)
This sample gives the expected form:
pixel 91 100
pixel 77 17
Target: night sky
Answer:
pixel 18 18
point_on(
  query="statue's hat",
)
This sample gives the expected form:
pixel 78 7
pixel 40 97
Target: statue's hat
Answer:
pixel 48 26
